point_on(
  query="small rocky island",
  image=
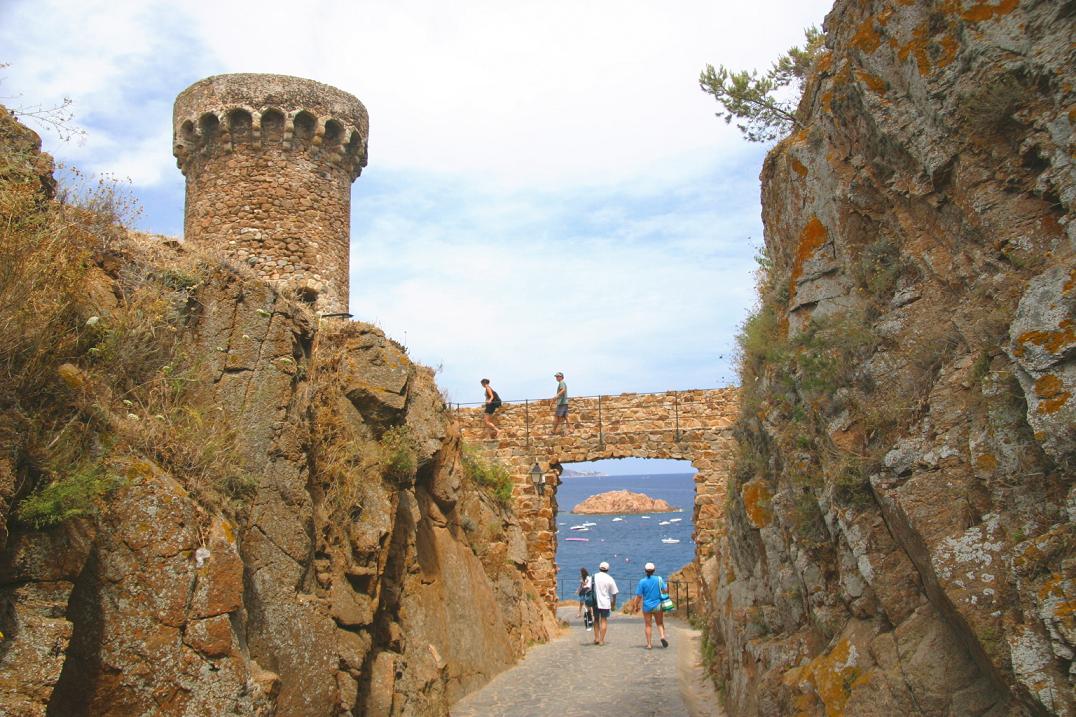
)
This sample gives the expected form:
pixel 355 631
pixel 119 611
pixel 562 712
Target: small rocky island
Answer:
pixel 622 501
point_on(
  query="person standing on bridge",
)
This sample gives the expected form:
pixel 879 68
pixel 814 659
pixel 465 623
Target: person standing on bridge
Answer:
pixel 560 403
pixel 493 402
pixel 648 592
pixel 605 592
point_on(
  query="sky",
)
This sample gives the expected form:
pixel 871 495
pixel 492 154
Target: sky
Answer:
pixel 548 189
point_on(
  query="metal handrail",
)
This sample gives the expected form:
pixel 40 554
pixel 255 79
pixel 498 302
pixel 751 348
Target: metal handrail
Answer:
pixel 521 401
pixel 680 591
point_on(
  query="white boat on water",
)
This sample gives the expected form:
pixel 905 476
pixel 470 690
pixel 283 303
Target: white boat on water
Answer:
pixel 579 527
pixel 645 517
pixel 664 522
pixel 675 520
pixel 670 540
pixel 590 525
pixel 617 520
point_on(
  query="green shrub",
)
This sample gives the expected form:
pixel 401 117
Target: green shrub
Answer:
pixel 490 475
pixel 879 267
pixel 399 454
pixel 851 486
pixel 760 342
pixel 74 494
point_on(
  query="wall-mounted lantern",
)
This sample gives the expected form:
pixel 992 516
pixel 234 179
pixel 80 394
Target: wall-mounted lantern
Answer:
pixel 538 479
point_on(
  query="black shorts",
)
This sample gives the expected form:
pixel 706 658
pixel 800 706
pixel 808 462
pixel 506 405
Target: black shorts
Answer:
pixel 491 407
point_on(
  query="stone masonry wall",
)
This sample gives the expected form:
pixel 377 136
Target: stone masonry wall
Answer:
pixel 269 162
pixel 686 425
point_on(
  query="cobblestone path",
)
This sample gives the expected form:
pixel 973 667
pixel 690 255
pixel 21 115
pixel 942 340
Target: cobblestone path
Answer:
pixel 572 677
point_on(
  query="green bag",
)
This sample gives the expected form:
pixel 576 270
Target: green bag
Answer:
pixel 667 605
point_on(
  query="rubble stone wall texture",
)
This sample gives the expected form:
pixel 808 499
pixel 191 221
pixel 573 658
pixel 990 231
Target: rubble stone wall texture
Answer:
pixel 900 532
pixel 685 425
pixel 269 161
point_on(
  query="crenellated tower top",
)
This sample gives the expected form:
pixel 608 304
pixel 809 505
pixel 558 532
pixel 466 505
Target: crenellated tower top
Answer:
pixel 269 162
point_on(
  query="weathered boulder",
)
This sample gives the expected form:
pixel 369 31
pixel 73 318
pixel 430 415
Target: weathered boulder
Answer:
pixel 1042 342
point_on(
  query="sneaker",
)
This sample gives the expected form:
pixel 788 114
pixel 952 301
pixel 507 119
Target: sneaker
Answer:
pixel 664 642
pixel 589 628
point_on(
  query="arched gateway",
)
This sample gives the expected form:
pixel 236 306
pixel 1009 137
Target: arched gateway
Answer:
pixel 689 425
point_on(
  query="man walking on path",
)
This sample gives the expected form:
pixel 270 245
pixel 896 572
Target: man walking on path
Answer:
pixel 560 401
pixel 649 593
pixel 605 591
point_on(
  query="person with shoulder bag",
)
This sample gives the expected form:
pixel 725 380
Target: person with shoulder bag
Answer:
pixel 652 594
pixel 586 598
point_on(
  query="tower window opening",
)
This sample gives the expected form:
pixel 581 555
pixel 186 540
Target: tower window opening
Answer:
pixel 334 133
pixel 209 124
pixel 240 124
pixel 273 125
pixel 186 132
pixel 305 125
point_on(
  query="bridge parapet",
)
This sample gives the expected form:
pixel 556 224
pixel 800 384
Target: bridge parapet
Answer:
pixel 693 425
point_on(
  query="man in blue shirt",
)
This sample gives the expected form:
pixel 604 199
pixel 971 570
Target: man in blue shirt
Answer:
pixel 649 593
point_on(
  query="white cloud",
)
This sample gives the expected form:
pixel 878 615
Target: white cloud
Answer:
pixel 630 298
pixel 548 187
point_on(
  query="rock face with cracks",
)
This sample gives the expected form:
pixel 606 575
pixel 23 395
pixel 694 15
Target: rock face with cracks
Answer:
pixel 361 571
pixel 899 536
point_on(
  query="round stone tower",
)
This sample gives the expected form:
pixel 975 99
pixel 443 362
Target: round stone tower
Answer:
pixel 269 162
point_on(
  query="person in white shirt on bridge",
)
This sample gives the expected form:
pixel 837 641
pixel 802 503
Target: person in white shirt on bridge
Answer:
pixel 605 592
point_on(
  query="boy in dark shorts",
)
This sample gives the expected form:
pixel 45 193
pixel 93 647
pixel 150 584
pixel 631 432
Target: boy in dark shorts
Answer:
pixel 493 402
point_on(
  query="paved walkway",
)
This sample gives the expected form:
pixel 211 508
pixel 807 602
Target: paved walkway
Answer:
pixel 572 677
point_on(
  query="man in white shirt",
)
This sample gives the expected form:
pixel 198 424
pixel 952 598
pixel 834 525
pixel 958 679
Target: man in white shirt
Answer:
pixel 605 592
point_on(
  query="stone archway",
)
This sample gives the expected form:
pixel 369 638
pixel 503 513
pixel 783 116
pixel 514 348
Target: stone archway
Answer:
pixel 686 425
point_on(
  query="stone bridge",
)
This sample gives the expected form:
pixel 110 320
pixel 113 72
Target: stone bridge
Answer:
pixel 691 425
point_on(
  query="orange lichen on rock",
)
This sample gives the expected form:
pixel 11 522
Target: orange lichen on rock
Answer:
pixel 797 166
pixel 813 236
pixel 1052 391
pixel 951 46
pixel 756 502
pixel 1052 341
pixel 874 82
pixel 866 37
pixel 832 676
pixel 917 47
pixel 985 11
pixel 986 462
pixel 1071 283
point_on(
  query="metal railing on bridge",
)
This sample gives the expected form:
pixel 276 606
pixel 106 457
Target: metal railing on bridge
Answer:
pixel 680 592
pixel 610 413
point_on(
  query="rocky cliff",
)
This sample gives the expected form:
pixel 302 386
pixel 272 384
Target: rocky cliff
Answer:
pixel 217 503
pixel 624 502
pixel 899 531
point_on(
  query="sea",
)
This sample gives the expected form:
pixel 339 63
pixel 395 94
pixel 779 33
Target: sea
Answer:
pixel 629 543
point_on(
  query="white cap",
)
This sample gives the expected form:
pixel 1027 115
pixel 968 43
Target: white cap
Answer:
pixel 649 566
pixel 603 565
